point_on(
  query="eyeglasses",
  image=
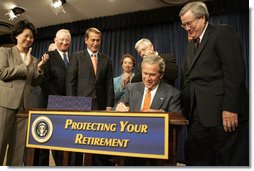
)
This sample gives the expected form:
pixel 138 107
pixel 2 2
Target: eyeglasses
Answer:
pixel 188 24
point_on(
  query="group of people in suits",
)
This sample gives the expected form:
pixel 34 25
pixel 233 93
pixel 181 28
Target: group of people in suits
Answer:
pixel 214 76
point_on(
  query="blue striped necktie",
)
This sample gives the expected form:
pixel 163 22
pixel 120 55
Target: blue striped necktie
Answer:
pixel 65 59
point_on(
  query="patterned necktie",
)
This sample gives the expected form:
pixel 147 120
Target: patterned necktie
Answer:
pixel 93 58
pixel 196 44
pixel 147 100
pixel 65 59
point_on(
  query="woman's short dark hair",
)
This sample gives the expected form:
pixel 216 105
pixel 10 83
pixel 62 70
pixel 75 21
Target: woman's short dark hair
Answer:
pixel 20 27
pixel 127 55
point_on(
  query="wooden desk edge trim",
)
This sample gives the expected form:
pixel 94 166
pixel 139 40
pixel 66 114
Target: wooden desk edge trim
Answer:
pixel 174 118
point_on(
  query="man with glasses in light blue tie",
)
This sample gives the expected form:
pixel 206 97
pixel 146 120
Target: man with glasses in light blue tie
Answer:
pixel 54 83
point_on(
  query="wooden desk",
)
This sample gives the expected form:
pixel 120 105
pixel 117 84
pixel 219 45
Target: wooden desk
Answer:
pixel 176 120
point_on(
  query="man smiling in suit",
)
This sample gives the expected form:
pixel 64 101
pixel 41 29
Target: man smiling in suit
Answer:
pixel 54 84
pixel 145 47
pixel 163 96
pixel 214 87
pixel 150 95
pixel 56 67
pixel 90 75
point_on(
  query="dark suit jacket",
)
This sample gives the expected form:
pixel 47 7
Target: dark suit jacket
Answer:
pixel 81 80
pixel 166 97
pixel 54 77
pixel 216 75
pixel 170 74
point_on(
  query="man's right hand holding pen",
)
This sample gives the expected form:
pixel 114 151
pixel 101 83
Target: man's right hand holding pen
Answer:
pixel 122 107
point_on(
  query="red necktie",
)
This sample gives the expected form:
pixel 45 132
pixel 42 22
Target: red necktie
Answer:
pixel 93 58
pixel 147 100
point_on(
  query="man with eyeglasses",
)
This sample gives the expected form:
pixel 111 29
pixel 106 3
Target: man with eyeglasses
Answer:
pixel 214 73
pixel 145 47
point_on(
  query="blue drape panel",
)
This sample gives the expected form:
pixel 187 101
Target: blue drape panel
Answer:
pixel 167 38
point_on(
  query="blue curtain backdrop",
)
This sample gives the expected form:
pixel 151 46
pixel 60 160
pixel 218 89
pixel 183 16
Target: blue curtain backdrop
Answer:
pixel 167 38
pixel 161 26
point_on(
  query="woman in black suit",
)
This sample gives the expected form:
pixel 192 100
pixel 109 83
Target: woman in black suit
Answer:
pixel 215 76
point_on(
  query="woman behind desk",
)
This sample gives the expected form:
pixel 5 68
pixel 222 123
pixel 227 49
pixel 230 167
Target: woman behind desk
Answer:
pixel 127 63
pixel 19 70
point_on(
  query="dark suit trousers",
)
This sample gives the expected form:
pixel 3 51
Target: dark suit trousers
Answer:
pixel 41 157
pixel 212 146
pixel 13 133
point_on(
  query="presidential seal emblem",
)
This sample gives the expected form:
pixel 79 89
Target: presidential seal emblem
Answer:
pixel 42 129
